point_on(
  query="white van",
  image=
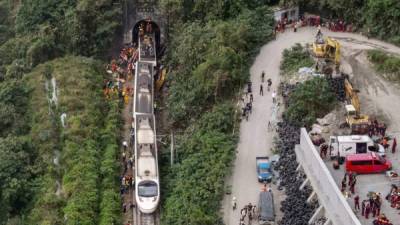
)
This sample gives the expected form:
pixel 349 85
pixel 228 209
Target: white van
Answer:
pixel 354 144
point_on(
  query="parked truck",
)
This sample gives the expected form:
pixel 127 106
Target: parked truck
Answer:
pixel 266 211
pixel 341 146
pixel 263 166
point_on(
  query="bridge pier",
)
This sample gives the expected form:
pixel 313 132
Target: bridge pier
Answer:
pixel 299 168
pixel 312 197
pixel 328 222
pixel 305 182
pixel 317 214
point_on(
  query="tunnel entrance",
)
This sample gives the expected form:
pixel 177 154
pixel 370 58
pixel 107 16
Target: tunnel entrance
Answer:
pixel 144 23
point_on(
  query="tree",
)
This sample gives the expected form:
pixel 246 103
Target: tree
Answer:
pixel 16 174
pixel 309 101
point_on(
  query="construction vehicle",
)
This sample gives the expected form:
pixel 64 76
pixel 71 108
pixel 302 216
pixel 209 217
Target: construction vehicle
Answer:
pixel 266 211
pixel 354 119
pixel 327 50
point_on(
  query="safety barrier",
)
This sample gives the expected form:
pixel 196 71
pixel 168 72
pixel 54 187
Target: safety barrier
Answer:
pixel 336 207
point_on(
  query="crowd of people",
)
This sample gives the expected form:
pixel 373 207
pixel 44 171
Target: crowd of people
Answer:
pixel 127 181
pixel 146 41
pixel 248 211
pixel 378 130
pixel 352 180
pixel 394 197
pixel 247 100
pixel 336 25
pixel 121 70
pixel 372 204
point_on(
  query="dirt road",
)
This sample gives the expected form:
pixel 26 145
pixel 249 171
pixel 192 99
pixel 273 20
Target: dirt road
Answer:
pixel 254 138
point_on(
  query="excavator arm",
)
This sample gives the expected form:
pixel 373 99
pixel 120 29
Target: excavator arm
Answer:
pixel 352 95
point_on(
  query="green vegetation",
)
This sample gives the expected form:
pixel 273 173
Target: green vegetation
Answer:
pixel 87 169
pixel 196 183
pixel 380 16
pixel 387 64
pixel 81 186
pixel 295 58
pixel 212 46
pixel 310 100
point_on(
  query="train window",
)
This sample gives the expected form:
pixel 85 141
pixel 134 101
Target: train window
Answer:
pixel 147 189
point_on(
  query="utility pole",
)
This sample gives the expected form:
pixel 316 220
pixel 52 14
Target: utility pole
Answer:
pixel 172 148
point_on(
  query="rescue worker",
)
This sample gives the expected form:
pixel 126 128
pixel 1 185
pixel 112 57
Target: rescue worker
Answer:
pixel 357 203
pixel 249 87
pixel 343 184
pixel 125 145
pixel 367 210
pixel 352 185
pixel 126 99
pixel 123 156
pixel 273 96
pixel 319 33
pixel 350 174
pixel 382 220
pixel 269 81
pixel 385 143
pixel 243 213
pixel 249 107
pixel 233 202
pixel 363 207
pixel 323 150
pixel 377 207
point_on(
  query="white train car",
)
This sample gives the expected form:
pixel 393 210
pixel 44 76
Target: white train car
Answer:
pixel 146 162
pixel 147 177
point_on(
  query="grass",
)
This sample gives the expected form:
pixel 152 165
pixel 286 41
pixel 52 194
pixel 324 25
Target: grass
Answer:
pixel 386 64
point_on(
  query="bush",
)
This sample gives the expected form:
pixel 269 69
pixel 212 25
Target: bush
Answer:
pixel 310 100
pixel 295 58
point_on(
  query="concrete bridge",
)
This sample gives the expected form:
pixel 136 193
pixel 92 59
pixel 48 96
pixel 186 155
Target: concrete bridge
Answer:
pixel 332 205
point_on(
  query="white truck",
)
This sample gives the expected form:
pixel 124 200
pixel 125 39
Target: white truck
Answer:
pixel 341 146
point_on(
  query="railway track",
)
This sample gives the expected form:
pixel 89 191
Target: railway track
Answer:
pixel 147 219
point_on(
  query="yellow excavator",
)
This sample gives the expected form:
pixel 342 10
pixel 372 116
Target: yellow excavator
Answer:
pixel 327 50
pixel 357 122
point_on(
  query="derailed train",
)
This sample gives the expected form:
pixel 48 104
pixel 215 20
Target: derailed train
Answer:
pixel 146 161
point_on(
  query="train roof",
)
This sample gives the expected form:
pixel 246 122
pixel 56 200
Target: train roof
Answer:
pixel 147 167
